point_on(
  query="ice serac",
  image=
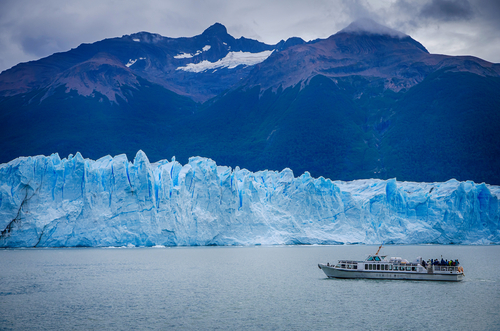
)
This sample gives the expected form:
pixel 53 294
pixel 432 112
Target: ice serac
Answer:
pixel 53 202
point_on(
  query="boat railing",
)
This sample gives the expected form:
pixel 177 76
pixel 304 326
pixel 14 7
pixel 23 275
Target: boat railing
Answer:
pixel 348 262
pixel 406 264
pixel 445 268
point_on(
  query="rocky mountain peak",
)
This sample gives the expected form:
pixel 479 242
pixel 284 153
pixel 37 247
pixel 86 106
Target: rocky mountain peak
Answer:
pixel 216 29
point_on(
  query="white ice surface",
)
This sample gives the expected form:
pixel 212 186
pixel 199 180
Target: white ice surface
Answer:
pixel 132 62
pixel 188 55
pixel 184 56
pixel 49 202
pixel 230 61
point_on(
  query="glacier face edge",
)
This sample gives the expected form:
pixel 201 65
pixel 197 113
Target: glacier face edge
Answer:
pixel 54 202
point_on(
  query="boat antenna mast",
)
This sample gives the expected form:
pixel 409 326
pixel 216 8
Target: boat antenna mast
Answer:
pixel 379 249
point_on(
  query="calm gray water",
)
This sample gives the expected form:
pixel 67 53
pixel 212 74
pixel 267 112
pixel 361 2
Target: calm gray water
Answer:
pixel 246 288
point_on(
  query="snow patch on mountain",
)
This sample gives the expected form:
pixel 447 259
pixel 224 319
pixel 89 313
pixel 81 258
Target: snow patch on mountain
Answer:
pixel 132 62
pixel 53 202
pixel 188 55
pixel 230 61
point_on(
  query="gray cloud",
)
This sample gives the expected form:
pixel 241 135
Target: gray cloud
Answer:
pixel 447 10
pixel 31 29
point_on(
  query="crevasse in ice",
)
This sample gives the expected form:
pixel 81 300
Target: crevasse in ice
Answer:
pixel 49 202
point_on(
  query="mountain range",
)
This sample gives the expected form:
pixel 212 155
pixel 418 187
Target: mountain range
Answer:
pixel 367 102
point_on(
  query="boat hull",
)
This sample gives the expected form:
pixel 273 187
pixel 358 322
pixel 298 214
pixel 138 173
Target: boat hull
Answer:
pixel 332 272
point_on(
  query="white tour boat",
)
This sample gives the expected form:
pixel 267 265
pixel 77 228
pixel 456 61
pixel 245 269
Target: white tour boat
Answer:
pixel 383 267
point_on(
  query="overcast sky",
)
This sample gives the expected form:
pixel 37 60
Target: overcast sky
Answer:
pixel 32 29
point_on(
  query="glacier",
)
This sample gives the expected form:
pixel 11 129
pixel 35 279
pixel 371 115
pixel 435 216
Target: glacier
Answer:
pixel 75 202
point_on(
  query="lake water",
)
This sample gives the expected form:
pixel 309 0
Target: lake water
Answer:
pixel 239 288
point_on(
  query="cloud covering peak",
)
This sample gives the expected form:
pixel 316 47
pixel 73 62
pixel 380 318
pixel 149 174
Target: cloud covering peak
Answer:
pixel 367 25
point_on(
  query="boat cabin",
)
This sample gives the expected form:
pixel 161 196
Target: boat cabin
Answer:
pixel 375 258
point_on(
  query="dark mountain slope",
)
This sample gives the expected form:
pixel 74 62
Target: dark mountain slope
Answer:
pixel 447 126
pixel 316 129
pixel 69 122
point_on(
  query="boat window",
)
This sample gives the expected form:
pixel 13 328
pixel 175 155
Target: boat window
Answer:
pixel 386 267
pixel 370 267
pixel 401 268
pixel 390 267
pixel 348 266
pixel 343 265
pixel 370 258
pixel 355 266
pixel 377 258
pixel 408 268
pixel 378 266
pixel 413 268
pixel 337 266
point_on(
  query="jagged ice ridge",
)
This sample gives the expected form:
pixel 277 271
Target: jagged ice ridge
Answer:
pixel 49 202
